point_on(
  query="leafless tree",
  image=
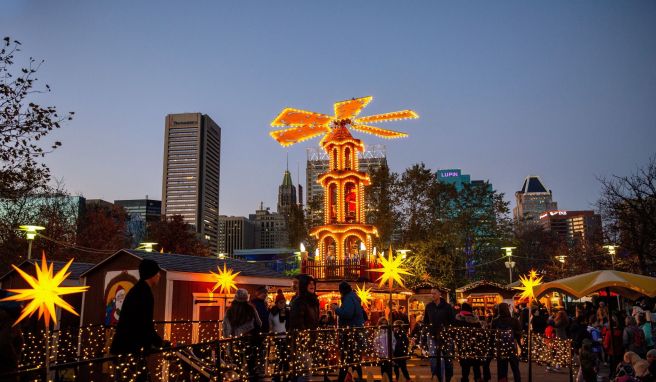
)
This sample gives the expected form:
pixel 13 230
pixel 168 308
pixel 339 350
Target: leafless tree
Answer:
pixel 628 206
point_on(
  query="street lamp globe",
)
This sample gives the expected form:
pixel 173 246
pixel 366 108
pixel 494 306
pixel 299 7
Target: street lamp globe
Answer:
pixel 147 246
pixel 30 233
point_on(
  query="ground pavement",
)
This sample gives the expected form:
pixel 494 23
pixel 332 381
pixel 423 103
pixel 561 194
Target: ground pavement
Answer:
pixel 420 372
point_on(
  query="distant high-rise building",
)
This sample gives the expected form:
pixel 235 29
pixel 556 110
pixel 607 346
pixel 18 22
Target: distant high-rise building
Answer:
pixel 372 159
pixel 190 185
pixel 270 229
pixel 145 209
pixel 140 212
pixel 575 227
pixel 532 200
pixel 453 176
pixel 286 195
pixel 235 232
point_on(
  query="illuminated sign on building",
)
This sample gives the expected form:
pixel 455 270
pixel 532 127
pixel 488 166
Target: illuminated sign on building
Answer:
pixel 449 174
pixel 553 213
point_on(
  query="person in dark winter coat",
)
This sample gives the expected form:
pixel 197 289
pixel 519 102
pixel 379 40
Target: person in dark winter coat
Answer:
pixel 304 308
pixel 438 315
pixel 350 313
pixel 504 321
pixel 401 349
pixel 259 339
pixel 304 315
pixel 135 331
pixel 351 341
pixel 588 362
pixel 467 319
pixel 259 302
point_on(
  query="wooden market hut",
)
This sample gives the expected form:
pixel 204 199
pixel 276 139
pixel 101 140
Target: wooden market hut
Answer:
pixel 483 295
pixel 183 293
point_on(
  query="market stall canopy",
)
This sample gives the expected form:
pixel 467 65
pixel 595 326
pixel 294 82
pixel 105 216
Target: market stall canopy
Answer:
pixel 626 284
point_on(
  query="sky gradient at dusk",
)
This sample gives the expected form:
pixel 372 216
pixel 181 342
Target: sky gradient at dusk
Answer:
pixel 565 90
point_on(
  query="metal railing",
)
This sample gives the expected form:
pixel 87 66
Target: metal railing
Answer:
pixel 347 269
pixel 215 358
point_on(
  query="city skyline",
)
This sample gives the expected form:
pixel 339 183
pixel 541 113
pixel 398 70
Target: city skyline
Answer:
pixel 561 90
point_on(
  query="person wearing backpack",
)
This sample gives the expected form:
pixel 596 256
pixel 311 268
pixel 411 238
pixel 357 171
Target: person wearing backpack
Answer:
pixel 633 337
pixel 351 315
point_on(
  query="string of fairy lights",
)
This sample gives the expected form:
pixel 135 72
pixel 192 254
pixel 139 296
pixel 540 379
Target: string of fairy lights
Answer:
pixel 297 353
pixel 199 346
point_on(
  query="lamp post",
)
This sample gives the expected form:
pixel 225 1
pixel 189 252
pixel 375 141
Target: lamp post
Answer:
pixel 30 233
pixel 147 246
pixel 562 259
pixel 612 250
pixel 510 264
pixel 403 252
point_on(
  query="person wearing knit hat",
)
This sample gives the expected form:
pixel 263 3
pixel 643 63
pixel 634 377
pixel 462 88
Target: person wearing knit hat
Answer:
pixel 148 268
pixel 241 321
pixel 241 295
pixel 135 331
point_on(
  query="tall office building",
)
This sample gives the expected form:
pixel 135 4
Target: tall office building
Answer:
pixel 532 200
pixel 575 227
pixel 235 232
pixel 270 228
pixel 144 209
pixel 140 212
pixel 190 185
pixel 456 178
pixel 373 158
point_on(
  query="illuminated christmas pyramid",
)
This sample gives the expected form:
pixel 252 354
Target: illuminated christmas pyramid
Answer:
pixel 344 237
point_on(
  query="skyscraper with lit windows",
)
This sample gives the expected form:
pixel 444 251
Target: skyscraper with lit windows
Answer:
pixel 532 200
pixel 190 185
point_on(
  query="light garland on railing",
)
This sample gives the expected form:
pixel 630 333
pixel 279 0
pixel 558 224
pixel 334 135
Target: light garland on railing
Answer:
pixel 306 351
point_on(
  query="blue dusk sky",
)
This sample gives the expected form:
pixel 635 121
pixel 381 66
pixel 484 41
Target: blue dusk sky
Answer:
pixel 561 89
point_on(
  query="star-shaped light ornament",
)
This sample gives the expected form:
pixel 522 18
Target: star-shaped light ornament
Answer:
pixel 528 283
pixel 225 280
pixel 392 270
pixel 364 293
pixel 45 293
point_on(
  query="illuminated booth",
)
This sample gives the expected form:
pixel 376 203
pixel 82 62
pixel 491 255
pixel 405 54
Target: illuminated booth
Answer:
pixel 483 295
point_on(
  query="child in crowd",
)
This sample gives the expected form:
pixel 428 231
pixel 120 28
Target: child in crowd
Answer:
pixel 401 350
pixel 383 349
pixel 589 363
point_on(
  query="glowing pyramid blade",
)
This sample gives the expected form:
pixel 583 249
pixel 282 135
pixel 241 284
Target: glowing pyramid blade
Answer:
pixel 387 117
pixel 351 108
pixel 377 131
pixel 288 137
pixel 296 117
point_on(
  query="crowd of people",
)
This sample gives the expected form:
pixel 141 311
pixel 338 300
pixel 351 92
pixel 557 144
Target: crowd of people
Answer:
pixel 622 340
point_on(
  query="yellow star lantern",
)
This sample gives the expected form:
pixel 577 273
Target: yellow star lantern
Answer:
pixel 392 270
pixel 45 292
pixel 528 283
pixel 364 293
pixel 225 280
